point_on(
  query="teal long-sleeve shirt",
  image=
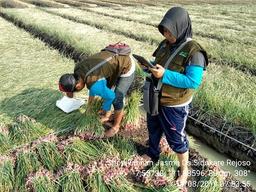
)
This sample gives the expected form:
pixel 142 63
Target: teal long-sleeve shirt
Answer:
pixel 100 88
pixel 190 80
pixel 192 77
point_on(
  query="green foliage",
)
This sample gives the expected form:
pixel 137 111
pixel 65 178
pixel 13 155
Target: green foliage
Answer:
pixel 25 164
pixel 71 181
pixel 125 147
pixel 81 152
pixel 226 83
pixel 95 183
pixel 121 185
pixel 106 148
pixel 169 188
pixel 30 88
pixel 23 132
pixel 6 176
pixel 132 109
pixel 89 121
pixel 49 156
pixel 212 38
pixel 4 143
pixel 44 184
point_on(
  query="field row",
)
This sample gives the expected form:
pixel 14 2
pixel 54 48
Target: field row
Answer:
pixel 146 17
pixel 220 94
pixel 223 27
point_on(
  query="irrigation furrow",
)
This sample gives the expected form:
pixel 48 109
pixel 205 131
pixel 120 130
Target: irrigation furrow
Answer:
pixel 70 3
pixel 102 4
pixel 45 3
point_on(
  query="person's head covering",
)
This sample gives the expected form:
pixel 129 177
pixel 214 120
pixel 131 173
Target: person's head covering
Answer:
pixel 178 22
pixel 67 83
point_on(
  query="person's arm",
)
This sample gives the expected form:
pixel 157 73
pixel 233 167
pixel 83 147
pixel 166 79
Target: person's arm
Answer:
pixel 192 77
pixel 100 88
pixel 193 74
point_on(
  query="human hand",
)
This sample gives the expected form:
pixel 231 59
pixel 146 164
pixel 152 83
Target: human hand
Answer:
pixel 158 72
pixel 70 94
pixel 101 112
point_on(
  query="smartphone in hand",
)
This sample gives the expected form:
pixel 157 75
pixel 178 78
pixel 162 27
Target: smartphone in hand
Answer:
pixel 143 61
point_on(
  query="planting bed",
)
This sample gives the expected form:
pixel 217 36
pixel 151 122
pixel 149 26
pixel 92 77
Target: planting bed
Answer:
pixel 208 93
pixel 53 162
pixel 76 162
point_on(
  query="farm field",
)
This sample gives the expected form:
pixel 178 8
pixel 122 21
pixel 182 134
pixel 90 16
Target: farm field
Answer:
pixel 72 33
pixel 44 149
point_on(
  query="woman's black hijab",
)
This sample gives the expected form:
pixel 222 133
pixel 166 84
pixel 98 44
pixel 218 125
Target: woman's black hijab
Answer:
pixel 178 22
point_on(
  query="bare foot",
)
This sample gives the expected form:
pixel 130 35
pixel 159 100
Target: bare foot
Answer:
pixel 108 124
pixel 147 160
pixel 146 157
pixel 104 119
pixel 111 117
pixel 181 181
pixel 112 131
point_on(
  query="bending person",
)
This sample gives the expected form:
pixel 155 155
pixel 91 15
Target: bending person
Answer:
pixel 117 73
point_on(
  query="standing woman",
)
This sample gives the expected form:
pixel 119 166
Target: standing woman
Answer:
pixel 182 76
